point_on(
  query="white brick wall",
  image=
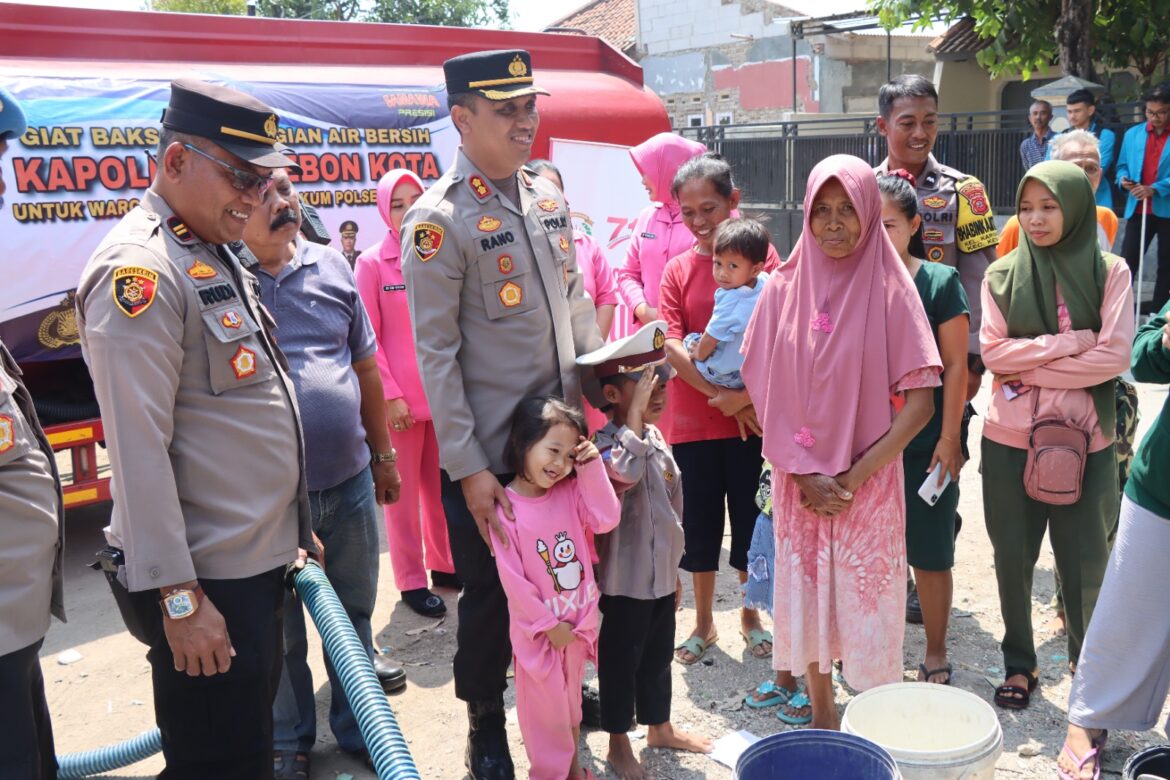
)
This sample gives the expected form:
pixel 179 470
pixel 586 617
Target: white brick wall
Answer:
pixel 694 24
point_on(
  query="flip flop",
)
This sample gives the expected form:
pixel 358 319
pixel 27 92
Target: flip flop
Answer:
pixel 755 639
pixel 1013 697
pixel 1093 754
pixel 798 701
pixel 773 695
pixel 948 670
pixel 290 765
pixel 696 646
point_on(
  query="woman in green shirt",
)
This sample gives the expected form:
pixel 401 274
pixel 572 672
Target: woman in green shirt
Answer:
pixel 1124 673
pixel 930 529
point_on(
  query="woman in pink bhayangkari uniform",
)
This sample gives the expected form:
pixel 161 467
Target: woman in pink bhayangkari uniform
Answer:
pixel 416 527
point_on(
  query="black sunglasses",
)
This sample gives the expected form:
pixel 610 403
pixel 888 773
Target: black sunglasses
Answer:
pixel 241 180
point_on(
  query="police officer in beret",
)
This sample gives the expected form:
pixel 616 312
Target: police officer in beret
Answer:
pixel 349 231
pixel 203 434
pixel 31 543
pixel 499 313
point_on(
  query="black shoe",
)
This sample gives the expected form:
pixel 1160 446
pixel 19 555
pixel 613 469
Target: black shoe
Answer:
pixel 424 602
pixel 913 608
pixel 442 579
pixel 392 676
pixel 487 756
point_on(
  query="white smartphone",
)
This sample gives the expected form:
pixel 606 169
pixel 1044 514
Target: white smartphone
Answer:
pixel 930 492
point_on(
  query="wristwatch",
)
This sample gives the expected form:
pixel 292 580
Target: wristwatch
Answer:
pixel 181 603
pixel 384 457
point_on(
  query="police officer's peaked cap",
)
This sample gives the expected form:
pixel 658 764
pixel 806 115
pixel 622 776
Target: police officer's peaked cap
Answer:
pixel 12 121
pixel 238 122
pixel 495 75
pixel 349 227
pixel 646 347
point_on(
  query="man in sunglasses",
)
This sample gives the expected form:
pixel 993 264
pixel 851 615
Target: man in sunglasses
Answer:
pixel 210 500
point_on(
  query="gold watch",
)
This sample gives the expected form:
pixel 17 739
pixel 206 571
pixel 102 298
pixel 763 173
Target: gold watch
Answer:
pixel 384 457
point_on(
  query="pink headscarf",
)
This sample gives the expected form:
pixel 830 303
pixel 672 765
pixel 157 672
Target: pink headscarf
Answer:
pixel 659 157
pixel 830 338
pixel 390 248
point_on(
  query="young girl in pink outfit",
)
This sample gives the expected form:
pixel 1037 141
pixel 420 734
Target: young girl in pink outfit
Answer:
pixel 544 568
pixel 416 520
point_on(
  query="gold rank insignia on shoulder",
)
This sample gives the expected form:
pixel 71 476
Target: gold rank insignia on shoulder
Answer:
pixel 548 204
pixel 478 186
pixel 488 224
pixel 201 270
pixel 134 289
pixel 7 433
pixel 180 231
pixel 428 239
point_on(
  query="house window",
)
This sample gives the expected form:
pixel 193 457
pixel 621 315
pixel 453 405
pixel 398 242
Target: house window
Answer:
pixel 694 120
pixel 724 118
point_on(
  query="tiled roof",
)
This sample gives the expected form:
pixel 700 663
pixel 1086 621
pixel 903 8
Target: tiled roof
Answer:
pixel 959 42
pixel 611 20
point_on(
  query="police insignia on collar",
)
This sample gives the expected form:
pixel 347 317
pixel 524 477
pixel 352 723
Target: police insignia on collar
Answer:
pixel 231 320
pixel 934 202
pixel 488 224
pixel 180 231
pixel 7 433
pixel 201 270
pixel 511 295
pixel 505 264
pixel 428 239
pixel 564 244
pixel 243 362
pixel 134 289
pixel 478 186
pixel 548 204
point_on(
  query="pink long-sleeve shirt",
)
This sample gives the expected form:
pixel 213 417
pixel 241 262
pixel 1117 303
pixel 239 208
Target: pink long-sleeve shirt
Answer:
pixel 595 272
pixel 383 291
pixel 545 569
pixel 656 238
pixel 1060 367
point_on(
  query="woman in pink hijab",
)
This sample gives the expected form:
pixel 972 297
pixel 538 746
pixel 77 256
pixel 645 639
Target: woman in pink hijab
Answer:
pixel 837 330
pixel 417 520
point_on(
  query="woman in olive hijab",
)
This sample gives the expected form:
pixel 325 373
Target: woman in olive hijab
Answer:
pixel 1057 329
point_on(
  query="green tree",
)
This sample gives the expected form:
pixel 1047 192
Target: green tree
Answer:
pixel 335 10
pixel 226 7
pixel 448 13
pixel 1027 35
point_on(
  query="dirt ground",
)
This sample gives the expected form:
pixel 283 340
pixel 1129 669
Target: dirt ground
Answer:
pixel 105 695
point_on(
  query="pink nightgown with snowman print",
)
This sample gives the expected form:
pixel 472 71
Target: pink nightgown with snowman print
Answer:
pixel 547 576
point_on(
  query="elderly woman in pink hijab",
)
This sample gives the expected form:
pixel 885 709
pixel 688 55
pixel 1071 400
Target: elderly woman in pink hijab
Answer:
pixel 416 527
pixel 838 329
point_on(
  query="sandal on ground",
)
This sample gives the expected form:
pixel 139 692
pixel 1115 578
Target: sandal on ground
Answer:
pixel 771 695
pixel 696 646
pixel 755 639
pixel 424 602
pixel 1093 754
pixel 1013 697
pixel 948 670
pixel 798 701
pixel 290 765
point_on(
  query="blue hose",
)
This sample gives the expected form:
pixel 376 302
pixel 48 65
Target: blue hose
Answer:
pixel 387 747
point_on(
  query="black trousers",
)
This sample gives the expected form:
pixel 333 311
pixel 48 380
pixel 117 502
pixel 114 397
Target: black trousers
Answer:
pixel 724 475
pixel 26 739
pixel 483 649
pixel 634 651
pixel 218 726
pixel 1131 250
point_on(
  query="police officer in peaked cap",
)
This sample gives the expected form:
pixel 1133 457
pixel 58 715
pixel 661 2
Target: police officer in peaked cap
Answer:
pixel 31 543
pixel 349 231
pixel 499 313
pixel 209 501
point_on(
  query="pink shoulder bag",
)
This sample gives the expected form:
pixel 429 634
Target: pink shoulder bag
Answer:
pixel 1055 468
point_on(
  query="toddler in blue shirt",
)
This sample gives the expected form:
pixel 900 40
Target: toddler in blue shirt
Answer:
pixel 741 249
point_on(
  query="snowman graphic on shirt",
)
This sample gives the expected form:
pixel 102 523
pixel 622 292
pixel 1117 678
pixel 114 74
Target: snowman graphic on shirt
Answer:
pixel 567 568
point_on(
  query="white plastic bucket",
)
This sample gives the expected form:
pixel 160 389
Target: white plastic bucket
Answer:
pixel 934 732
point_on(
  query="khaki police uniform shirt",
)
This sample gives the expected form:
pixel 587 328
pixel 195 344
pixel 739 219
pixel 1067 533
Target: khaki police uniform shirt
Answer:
pixel 958 228
pixel 498 308
pixel 199 413
pixel 31 518
pixel 639 559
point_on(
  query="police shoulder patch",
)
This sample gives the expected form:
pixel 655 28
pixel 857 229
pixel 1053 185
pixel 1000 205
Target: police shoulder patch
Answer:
pixel 974 223
pixel 134 289
pixel 428 239
pixel 180 231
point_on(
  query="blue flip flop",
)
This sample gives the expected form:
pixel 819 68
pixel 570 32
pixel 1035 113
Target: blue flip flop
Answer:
pixel 798 701
pixel 772 694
